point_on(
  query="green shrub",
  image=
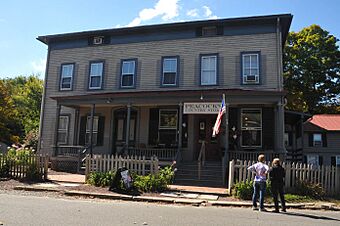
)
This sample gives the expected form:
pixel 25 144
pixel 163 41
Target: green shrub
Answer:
pixel 100 179
pixel 154 182
pixel 33 173
pixel 297 198
pixel 4 170
pixel 309 189
pixel 244 190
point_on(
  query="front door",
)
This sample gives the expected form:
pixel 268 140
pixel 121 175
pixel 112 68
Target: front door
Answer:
pixel 212 144
pixel 119 130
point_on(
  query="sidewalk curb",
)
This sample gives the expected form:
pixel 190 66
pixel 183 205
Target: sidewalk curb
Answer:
pixel 185 201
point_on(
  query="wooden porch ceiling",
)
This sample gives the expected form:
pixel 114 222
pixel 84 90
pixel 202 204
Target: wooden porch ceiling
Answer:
pixel 169 97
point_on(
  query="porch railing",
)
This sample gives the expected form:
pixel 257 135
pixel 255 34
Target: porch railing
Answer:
pixel 253 155
pixel 68 150
pixel 201 159
pixel 163 154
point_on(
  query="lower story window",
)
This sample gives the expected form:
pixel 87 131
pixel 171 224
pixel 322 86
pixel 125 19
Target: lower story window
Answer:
pixel 337 160
pixel 167 131
pixel 251 127
pixel 63 129
pixel 94 132
pixel 313 159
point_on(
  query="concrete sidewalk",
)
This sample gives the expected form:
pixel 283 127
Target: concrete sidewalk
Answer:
pixel 79 178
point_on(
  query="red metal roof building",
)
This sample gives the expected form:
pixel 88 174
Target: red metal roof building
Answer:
pixel 326 121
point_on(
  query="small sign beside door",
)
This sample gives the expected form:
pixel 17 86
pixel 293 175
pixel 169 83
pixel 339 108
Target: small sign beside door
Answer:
pixel 201 108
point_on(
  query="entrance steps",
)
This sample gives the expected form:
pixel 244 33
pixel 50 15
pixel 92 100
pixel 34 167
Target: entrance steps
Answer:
pixel 211 174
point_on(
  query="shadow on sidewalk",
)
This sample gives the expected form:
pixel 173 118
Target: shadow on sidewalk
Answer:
pixel 318 217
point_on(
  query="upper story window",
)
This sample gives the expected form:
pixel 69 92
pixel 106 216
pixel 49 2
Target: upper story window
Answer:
pixel 96 75
pixel 209 69
pixel 251 127
pixel 170 71
pixel 250 68
pixel 66 77
pixel 63 129
pixel 128 74
pixel 317 139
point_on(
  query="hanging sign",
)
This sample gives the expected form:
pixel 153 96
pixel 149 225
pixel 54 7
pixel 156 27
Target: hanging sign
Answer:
pixel 201 108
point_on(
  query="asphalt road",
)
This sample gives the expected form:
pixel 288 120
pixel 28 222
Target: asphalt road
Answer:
pixel 31 210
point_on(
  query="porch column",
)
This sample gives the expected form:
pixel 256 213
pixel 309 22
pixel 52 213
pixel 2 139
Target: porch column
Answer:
pixel 127 135
pixel 56 137
pixel 280 127
pixel 76 125
pixel 93 108
pixel 180 127
pixel 225 161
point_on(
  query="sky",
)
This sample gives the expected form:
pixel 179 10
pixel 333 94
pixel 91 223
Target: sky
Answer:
pixel 22 21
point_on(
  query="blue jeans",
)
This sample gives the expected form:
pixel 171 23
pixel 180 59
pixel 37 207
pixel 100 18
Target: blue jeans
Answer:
pixel 259 189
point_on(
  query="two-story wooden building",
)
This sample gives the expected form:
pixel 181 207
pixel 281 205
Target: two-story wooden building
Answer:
pixel 160 87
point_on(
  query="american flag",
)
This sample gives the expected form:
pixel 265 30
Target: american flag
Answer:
pixel 217 125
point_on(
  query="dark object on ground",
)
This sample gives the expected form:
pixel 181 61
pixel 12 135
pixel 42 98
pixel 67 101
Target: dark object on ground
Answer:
pixel 123 183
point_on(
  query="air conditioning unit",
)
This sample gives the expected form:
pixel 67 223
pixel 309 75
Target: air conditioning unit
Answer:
pixel 98 40
pixel 251 79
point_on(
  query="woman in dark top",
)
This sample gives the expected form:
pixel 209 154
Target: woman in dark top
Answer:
pixel 276 175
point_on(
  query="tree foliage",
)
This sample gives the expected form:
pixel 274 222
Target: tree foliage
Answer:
pixel 20 107
pixel 312 71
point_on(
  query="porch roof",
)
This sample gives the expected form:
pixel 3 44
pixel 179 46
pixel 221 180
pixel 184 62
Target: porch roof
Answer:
pixel 173 96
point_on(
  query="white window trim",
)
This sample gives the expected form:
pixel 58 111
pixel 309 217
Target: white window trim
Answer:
pixel 257 76
pixel 314 143
pixel 133 75
pixel 252 128
pixel 176 72
pixel 159 119
pixel 62 77
pixel 202 69
pixel 64 130
pixel 91 76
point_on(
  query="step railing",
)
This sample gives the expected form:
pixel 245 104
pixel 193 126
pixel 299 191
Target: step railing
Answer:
pixel 201 159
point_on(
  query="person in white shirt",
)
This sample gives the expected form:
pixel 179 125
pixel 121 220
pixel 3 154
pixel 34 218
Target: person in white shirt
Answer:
pixel 260 169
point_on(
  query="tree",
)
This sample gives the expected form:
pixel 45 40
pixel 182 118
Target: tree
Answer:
pixel 312 71
pixel 6 114
pixel 20 108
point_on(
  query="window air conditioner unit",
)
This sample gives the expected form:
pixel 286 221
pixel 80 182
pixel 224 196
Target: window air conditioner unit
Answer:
pixel 98 40
pixel 251 79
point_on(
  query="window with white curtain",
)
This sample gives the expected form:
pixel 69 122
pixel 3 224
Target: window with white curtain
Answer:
pixel 66 77
pixel 209 70
pixel 96 75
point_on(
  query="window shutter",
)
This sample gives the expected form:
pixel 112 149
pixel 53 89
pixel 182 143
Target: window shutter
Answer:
pixel 290 139
pixel 82 132
pixel 304 159
pixel 320 160
pixel 324 139
pixel 333 161
pixel 310 136
pixel 153 126
pixel 100 136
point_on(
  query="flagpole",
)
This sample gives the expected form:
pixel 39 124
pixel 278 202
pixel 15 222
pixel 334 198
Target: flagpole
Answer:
pixel 226 154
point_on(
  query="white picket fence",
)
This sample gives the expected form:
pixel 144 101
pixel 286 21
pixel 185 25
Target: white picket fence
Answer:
pixel 327 176
pixel 105 163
